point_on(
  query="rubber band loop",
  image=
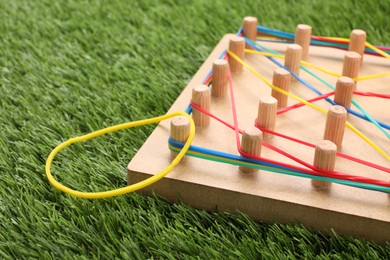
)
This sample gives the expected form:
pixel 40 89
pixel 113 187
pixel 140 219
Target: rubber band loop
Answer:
pixel 127 189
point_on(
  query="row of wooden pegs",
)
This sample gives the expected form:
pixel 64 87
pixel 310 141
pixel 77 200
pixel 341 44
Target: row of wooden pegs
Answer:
pixel 252 137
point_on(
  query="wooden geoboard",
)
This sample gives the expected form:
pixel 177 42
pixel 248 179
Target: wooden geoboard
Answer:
pixel 267 196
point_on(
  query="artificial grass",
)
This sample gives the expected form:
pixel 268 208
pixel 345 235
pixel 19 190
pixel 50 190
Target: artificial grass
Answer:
pixel 71 67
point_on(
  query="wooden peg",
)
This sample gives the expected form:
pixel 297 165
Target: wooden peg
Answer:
pixel 324 159
pixel 293 58
pixel 266 116
pixel 201 97
pixel 351 64
pixel 220 78
pixel 335 125
pixel 251 141
pixel 357 42
pixel 249 27
pixel 281 79
pixel 302 37
pixel 237 46
pixel 344 91
pixel 179 130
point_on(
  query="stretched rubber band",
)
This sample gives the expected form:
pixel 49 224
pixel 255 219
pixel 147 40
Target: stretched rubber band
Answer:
pixel 364 115
pixel 349 125
pixel 130 188
pixel 334 42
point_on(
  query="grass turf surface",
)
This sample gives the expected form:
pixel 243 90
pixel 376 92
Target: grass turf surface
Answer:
pixel 71 67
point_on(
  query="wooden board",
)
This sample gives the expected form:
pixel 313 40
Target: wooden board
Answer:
pixel 273 197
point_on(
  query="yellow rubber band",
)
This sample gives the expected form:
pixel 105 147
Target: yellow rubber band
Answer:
pixel 372 47
pixel 267 54
pixel 127 189
pixel 373 76
pixel 367 44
